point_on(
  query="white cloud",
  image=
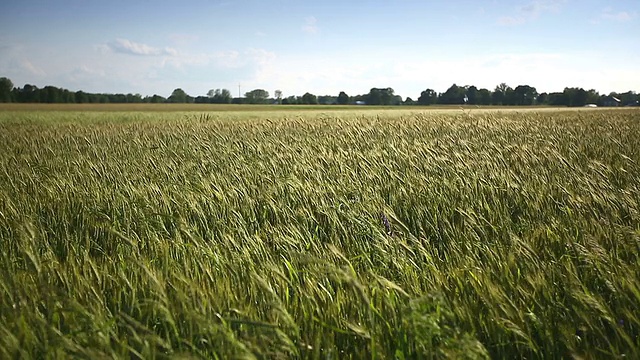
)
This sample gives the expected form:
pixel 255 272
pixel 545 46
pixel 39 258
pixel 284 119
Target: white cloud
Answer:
pixel 310 25
pixel 531 11
pixel 620 16
pixel 16 63
pixel 260 56
pixel 124 46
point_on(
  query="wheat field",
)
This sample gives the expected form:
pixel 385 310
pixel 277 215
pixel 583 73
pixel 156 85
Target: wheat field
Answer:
pixel 317 234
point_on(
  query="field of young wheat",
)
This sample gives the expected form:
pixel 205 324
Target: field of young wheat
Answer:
pixel 326 235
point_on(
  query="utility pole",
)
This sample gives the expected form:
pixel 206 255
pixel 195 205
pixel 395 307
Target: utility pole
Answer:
pixel 239 91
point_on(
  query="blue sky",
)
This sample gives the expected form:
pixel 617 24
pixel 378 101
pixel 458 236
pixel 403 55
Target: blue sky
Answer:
pixel 324 47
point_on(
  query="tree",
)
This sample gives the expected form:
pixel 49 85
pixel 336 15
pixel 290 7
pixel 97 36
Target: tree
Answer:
pixel 81 97
pixel 428 97
pixel 592 96
pixel 327 100
pixel 373 97
pixel 575 96
pixel 380 96
pixel 556 99
pixel 409 101
pixel 524 95
pixel 6 87
pixel 309 99
pixel 358 99
pixel 543 98
pixel 472 95
pixel 291 100
pixel 343 98
pixel 500 94
pixel 202 100
pixel 134 98
pixel 257 96
pixel 454 95
pixel 278 95
pixel 219 96
pixel 510 97
pixel 178 96
pixel 155 99
pixel 484 97
pixel 29 93
pixel 629 97
pixel 224 97
pixel 50 94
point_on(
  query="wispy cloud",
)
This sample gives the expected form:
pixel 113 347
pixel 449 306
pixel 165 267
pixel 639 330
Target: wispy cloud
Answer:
pixel 228 59
pixel 124 46
pixel 620 16
pixel 531 11
pixel 310 25
pixel 609 15
pixel 261 56
pixel 30 68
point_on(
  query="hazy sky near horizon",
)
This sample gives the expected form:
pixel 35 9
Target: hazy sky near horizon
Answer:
pixel 324 47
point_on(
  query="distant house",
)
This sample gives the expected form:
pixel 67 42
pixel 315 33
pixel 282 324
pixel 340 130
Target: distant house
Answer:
pixel 360 103
pixel 611 101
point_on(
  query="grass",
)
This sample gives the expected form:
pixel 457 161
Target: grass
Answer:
pixel 315 234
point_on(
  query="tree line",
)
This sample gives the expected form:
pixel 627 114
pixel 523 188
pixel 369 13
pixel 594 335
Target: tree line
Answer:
pixel 522 95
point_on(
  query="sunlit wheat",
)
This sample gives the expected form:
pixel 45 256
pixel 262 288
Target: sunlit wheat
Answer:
pixel 320 235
